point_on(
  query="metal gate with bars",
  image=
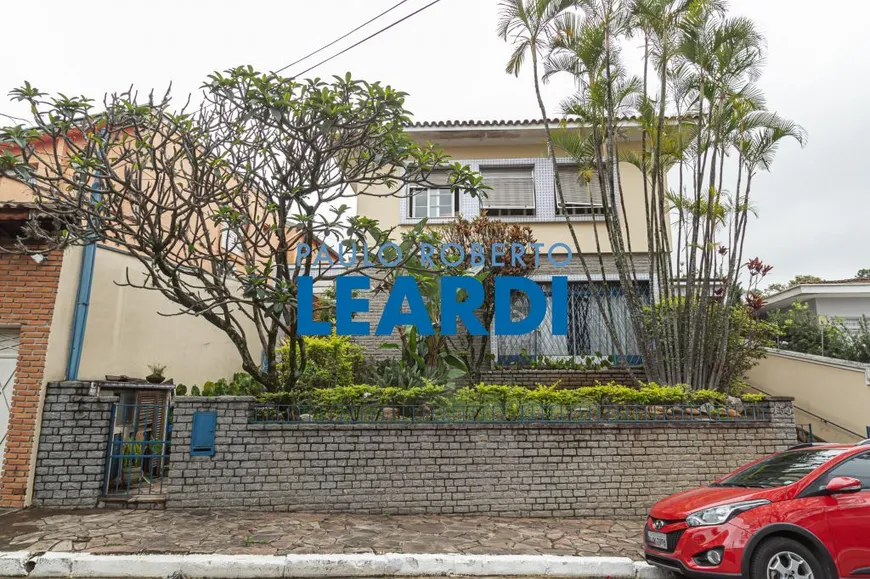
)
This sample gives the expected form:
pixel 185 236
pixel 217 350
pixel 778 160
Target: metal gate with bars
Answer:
pixel 587 331
pixel 137 457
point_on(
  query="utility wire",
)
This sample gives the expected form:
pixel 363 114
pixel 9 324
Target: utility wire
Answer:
pixel 14 118
pixel 367 38
pixel 324 47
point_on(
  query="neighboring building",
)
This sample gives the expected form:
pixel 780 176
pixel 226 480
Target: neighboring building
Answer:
pixel 847 300
pixel 63 315
pixel 512 157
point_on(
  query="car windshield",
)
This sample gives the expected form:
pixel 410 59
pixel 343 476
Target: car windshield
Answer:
pixel 781 469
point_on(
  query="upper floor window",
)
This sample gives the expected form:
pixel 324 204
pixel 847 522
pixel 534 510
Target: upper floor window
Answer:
pixel 581 197
pixel 436 201
pixel 512 193
pixel 230 241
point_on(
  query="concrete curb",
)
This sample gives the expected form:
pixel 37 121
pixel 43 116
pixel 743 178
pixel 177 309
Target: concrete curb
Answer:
pixel 23 564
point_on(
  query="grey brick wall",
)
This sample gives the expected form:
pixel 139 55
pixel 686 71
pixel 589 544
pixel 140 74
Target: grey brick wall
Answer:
pixel 582 470
pixel 72 447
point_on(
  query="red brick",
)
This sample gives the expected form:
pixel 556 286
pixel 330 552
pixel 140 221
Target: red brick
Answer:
pixel 26 299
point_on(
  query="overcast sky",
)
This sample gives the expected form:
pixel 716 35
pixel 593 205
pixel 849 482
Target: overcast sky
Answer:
pixel 814 212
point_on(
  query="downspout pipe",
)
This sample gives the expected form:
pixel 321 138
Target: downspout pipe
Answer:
pixel 80 315
pixel 83 301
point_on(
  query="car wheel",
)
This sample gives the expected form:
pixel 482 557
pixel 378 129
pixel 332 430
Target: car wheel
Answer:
pixel 781 558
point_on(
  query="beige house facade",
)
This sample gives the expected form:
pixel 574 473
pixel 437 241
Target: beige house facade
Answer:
pixel 512 158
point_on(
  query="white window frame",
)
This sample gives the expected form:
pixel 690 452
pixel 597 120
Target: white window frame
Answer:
pixel 414 191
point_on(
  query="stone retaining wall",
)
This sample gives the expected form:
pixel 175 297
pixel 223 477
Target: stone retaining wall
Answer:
pixel 583 470
pixel 72 446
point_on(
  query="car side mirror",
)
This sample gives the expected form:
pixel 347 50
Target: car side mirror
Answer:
pixel 842 484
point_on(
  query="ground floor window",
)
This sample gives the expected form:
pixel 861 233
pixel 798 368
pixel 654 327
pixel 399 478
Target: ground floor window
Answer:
pixel 587 331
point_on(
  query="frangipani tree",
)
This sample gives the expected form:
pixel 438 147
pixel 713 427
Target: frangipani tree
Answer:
pixel 213 200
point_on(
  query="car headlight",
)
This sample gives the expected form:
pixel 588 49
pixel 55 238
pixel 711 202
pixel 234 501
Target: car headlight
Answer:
pixel 722 514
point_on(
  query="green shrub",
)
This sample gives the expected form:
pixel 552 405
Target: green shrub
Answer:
pixel 241 384
pixel 353 401
pixel 330 361
pixel 429 394
pixel 652 393
pixel 405 374
pixel 752 398
pixel 707 397
pixel 610 393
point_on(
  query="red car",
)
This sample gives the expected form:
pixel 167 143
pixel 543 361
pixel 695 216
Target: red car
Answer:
pixel 799 514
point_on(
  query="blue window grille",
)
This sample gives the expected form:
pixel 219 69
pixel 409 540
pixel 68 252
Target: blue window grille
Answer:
pixel 203 433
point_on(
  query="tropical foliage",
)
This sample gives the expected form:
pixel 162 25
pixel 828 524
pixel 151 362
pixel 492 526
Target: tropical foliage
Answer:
pixel 802 330
pixel 696 103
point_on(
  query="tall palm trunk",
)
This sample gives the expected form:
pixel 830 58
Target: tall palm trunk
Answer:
pixel 608 319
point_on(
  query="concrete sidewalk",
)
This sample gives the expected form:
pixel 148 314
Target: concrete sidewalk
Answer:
pixel 241 544
pixel 270 533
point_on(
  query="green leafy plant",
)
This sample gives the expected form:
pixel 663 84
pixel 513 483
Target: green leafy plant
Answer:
pixel 132 452
pixel 157 369
pixel 330 361
pixel 707 397
pixel 423 360
pixel 241 384
pixel 802 330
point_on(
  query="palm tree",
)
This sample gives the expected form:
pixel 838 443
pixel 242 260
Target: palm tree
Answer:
pixel 532 26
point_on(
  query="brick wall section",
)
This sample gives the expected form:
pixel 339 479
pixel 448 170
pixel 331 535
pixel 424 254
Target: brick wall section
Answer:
pixel 72 447
pixel 566 378
pixel 371 344
pixel 27 296
pixel 581 470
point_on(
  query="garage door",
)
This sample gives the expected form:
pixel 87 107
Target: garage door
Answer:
pixel 8 360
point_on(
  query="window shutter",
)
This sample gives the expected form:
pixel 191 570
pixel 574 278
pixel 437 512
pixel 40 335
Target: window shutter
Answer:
pixel 152 412
pixel 576 190
pixel 511 188
pixel 202 433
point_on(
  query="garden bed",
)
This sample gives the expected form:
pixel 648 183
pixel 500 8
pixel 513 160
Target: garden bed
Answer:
pixel 495 414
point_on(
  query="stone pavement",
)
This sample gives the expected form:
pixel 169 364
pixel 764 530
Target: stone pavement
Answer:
pixel 272 533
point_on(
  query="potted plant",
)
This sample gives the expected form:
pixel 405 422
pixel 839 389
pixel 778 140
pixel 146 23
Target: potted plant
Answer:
pixel 156 375
pixel 131 463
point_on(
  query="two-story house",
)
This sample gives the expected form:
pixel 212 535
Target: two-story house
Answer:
pixel 512 157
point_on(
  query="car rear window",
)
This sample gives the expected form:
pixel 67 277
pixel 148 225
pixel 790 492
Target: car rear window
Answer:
pixel 782 469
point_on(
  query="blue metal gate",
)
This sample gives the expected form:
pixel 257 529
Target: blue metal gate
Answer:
pixel 137 454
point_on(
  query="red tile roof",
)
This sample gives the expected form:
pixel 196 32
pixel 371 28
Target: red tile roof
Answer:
pixel 491 123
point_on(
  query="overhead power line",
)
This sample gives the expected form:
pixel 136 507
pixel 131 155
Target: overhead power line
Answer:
pixel 367 38
pixel 340 38
pixel 14 118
